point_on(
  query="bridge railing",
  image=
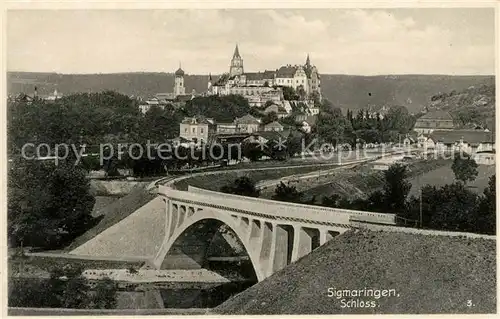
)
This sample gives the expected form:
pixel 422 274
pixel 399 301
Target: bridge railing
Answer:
pixel 324 211
pixel 252 208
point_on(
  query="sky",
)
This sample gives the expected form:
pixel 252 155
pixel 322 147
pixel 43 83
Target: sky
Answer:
pixel 457 41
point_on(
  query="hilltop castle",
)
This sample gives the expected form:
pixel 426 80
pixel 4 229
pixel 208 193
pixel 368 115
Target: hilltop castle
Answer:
pixel 304 79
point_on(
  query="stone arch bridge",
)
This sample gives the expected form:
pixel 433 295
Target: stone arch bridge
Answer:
pixel 274 234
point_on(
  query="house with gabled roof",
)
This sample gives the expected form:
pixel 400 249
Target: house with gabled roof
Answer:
pixel 435 120
pixel 247 124
pixel 468 141
pixel 196 129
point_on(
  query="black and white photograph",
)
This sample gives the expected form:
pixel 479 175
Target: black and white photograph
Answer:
pixel 250 161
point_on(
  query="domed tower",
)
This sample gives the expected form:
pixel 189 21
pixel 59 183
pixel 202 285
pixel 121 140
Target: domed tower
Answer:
pixel 236 63
pixel 179 88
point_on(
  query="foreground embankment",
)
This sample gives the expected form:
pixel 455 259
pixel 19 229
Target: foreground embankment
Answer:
pixel 371 272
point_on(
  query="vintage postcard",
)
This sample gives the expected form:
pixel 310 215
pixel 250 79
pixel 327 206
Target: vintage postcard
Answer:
pixel 250 160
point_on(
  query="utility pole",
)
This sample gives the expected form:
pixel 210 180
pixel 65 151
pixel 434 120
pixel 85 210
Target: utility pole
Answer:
pixel 421 226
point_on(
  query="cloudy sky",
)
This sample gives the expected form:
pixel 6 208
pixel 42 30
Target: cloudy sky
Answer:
pixel 339 41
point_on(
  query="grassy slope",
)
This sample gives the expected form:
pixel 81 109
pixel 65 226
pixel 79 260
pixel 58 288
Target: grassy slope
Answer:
pixel 362 180
pixel 412 91
pixel 431 274
pixel 444 175
pixel 215 182
pixel 115 212
pixel 101 202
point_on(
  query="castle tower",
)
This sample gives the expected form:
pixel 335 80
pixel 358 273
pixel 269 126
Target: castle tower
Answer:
pixel 308 62
pixel 236 67
pixel 179 88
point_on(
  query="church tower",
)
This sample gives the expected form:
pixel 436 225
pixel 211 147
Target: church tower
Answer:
pixel 209 86
pixel 308 62
pixel 236 63
pixel 179 88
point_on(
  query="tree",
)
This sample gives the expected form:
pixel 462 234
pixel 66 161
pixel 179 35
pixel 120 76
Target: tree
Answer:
pixel 68 288
pixel 269 118
pixel 104 296
pixel 396 187
pixel 315 96
pixel 287 193
pixel 399 119
pixel 455 208
pixel 486 215
pixel 331 201
pixel 253 151
pixel 451 207
pixel 47 205
pixel 158 124
pixel 242 186
pixel 29 293
pixel 301 93
pixel 331 125
pixel 277 149
pixel 220 108
pixel 289 93
pixel 294 143
pixel 83 117
pixel 464 168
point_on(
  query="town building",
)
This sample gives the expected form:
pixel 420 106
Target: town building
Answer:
pixel 258 98
pixel 53 96
pixel 468 141
pixel 435 120
pixel 279 110
pixel 263 137
pixel 484 157
pixel 226 127
pixel 273 127
pixel 196 129
pixel 247 124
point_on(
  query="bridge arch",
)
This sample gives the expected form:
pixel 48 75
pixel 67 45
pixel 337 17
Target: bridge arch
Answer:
pixel 196 217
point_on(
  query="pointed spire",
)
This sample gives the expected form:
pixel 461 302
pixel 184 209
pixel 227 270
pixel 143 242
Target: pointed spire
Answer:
pixel 210 77
pixel 308 61
pixel 236 52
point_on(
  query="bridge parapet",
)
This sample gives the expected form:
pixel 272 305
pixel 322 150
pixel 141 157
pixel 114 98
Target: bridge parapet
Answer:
pixel 258 208
pixel 306 210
